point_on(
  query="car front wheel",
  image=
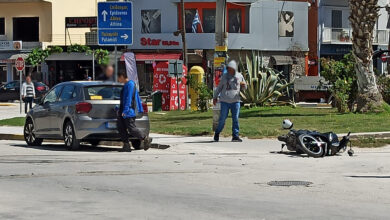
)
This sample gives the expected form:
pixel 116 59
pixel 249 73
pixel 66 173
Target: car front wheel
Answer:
pixel 29 135
pixel 71 142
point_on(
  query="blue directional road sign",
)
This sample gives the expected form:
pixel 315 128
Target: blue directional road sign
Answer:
pixel 115 23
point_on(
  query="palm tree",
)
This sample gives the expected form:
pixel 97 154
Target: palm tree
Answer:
pixel 364 14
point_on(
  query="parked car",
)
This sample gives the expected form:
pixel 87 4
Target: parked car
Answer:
pixel 79 112
pixel 11 91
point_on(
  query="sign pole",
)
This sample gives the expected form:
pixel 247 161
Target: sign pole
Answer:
pixel 93 66
pixel 20 90
pixel 116 64
pixel 178 91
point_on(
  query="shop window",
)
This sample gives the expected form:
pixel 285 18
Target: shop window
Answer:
pixel 235 21
pixel 286 24
pixel 3 74
pixel 209 20
pixel 26 29
pixel 151 21
pixel 190 15
pixel 2 26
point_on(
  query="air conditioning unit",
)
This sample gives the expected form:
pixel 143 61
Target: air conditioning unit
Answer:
pixel 91 38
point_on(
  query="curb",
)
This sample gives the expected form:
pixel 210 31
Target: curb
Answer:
pixel 18 137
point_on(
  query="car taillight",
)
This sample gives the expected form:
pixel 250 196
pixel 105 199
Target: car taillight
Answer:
pixel 145 107
pixel 41 88
pixel 83 107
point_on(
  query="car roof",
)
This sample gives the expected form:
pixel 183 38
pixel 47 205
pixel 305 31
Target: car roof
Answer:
pixel 92 83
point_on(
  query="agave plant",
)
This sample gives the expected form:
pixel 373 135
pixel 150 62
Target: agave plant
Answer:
pixel 264 84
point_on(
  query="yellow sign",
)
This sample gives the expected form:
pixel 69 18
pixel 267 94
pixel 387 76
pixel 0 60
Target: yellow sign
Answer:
pixel 219 59
pixel 96 97
pixel 221 48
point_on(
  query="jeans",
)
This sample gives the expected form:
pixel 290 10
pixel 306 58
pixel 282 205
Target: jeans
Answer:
pixel 28 101
pixel 127 129
pixel 235 109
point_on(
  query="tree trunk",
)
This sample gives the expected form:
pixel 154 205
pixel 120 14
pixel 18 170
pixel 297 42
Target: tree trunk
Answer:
pixel 364 15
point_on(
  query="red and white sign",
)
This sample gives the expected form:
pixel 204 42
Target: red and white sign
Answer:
pixel 167 85
pixel 19 64
pixel 158 42
pixel 385 57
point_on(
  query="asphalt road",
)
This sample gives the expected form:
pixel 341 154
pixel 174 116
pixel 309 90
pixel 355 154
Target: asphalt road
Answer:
pixel 194 179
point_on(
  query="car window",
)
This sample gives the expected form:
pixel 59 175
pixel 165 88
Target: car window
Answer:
pixel 103 93
pixel 10 85
pixel 52 96
pixel 68 93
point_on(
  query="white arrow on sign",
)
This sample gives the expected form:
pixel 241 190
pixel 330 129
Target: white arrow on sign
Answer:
pixel 104 13
pixel 125 36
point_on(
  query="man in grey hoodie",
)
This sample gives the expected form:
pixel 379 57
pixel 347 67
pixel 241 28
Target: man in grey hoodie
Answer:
pixel 228 92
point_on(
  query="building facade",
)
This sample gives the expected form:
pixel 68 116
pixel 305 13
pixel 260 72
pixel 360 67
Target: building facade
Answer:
pixel 335 31
pixel 278 30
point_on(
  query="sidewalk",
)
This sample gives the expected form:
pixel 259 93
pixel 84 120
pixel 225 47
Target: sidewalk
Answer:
pixel 10 110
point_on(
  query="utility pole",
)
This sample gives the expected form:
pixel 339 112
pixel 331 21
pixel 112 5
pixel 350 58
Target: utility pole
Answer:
pixel 221 43
pixel 221 35
pixel 185 56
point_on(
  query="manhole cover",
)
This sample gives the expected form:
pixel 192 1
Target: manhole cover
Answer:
pixel 289 183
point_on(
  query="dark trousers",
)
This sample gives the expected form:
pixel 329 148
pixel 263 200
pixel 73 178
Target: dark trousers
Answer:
pixel 127 129
pixel 28 101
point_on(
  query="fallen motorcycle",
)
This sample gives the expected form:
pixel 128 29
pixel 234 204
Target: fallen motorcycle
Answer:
pixel 313 143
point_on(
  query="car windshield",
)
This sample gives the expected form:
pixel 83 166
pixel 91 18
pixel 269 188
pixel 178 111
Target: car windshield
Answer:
pixel 103 92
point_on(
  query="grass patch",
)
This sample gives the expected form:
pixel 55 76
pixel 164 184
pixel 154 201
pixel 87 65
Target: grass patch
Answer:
pixel 19 121
pixel 370 142
pixel 265 122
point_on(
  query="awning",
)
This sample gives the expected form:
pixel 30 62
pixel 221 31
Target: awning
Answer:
pixel 15 56
pixel 280 60
pixel 70 57
pixel 155 56
pixel 10 57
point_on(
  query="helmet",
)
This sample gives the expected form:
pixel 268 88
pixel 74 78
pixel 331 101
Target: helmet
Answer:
pixel 287 124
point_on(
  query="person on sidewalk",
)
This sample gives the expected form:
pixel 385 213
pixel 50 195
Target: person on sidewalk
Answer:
pixel 228 92
pixel 130 103
pixel 28 93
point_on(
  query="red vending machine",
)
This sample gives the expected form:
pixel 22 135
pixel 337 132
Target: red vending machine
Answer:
pixel 167 86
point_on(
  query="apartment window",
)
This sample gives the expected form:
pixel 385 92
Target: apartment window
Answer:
pixel 190 15
pixel 209 20
pixel 2 26
pixel 26 29
pixel 235 18
pixel 337 19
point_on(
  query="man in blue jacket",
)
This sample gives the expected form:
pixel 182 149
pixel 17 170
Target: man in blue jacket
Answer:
pixel 130 101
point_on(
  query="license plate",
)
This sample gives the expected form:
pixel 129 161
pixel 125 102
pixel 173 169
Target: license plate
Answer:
pixel 111 125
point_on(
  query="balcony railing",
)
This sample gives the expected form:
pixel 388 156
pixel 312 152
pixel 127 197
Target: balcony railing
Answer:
pixel 344 36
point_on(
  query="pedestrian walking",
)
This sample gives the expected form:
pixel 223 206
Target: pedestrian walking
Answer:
pixel 228 92
pixel 130 103
pixel 28 93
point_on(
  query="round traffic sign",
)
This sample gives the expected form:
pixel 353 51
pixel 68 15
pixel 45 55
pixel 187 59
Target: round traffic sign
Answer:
pixel 19 64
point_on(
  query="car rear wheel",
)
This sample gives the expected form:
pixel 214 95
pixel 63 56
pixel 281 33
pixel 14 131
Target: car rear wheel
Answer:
pixel 29 135
pixel 71 142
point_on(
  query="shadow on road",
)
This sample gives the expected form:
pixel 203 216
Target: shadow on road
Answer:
pixel 371 177
pixel 288 153
pixel 61 147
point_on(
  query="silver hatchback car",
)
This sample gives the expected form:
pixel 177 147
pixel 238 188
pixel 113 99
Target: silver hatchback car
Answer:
pixel 79 112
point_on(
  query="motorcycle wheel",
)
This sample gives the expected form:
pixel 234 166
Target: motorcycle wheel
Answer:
pixel 311 146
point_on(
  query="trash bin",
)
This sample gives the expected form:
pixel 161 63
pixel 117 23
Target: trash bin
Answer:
pixel 157 101
pixel 197 73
